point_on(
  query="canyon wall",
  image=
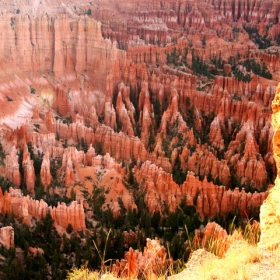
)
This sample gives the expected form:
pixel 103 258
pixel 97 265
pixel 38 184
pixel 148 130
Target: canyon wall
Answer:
pixel 68 45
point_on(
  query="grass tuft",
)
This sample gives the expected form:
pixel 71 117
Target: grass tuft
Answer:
pixel 233 257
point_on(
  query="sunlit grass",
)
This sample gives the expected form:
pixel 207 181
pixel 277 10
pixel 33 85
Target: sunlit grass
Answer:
pixel 236 257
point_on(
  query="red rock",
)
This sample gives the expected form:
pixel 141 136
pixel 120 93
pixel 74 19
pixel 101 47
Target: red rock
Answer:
pixel 7 236
pixel 110 116
pixel 45 173
pixel 73 214
pixel 210 199
pixel 12 167
pixel 89 156
pixel 215 136
pixel 213 237
pixel 35 251
pixel 148 263
pixel 123 117
pixel 29 171
pixel 23 206
pixel 61 102
pixel 204 162
pixel 69 174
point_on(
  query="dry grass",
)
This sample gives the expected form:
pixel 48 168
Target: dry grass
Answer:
pixel 85 274
pixel 82 274
pixel 243 261
pixel 234 266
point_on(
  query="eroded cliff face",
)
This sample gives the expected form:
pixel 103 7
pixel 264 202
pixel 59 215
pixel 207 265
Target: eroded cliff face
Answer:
pixel 69 46
pixel 73 97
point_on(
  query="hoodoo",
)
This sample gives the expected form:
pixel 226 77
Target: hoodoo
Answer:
pixel 124 123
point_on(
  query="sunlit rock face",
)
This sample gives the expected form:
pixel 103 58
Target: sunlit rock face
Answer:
pixel 270 210
pixel 60 44
pixel 7 236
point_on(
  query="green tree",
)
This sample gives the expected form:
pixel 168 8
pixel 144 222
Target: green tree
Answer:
pixel 98 148
pixel 69 228
pixel 157 112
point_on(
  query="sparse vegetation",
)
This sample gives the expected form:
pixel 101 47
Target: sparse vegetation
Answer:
pixel 262 41
pixel 2 155
pixel 88 12
pixel 255 67
pixel 36 127
pixel 239 262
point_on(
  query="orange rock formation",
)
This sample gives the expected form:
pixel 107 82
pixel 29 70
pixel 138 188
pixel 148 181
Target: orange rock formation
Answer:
pixel 12 167
pixel 148 263
pixel 7 236
pixel 213 237
pixel 208 198
pixel 28 170
pixel 45 172
pixel 24 206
